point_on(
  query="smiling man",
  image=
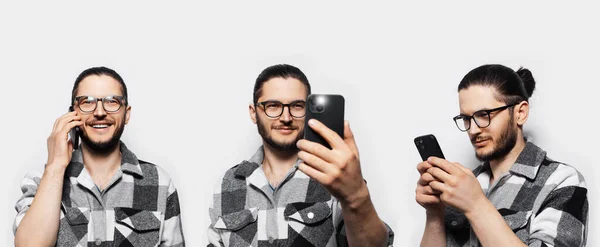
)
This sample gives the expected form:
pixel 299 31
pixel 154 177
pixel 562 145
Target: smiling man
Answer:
pixel 518 196
pixel 293 192
pixel 101 194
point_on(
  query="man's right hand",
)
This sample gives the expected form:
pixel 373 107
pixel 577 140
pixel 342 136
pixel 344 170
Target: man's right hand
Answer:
pixel 425 195
pixel 60 148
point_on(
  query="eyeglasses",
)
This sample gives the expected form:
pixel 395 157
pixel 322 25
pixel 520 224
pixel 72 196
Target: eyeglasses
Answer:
pixel 482 118
pixel 274 109
pixel 111 103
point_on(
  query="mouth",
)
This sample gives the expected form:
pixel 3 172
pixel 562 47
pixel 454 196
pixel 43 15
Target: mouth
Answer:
pixel 285 129
pixel 100 127
pixel 480 142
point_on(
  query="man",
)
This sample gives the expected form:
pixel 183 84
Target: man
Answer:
pixel 100 194
pixel 519 196
pixel 294 192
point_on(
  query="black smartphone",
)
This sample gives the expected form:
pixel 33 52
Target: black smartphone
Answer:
pixel 428 146
pixel 74 133
pixel 329 110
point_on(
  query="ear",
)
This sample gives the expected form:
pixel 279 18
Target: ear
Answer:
pixel 127 114
pixel 521 113
pixel 252 111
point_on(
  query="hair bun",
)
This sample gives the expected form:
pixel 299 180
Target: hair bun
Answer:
pixel 527 79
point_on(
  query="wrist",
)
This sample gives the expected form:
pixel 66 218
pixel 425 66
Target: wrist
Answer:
pixel 479 209
pixel 55 169
pixel 358 199
pixel 436 213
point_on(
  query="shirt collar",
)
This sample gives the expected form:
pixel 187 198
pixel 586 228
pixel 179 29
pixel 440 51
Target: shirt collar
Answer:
pixel 129 162
pixel 527 164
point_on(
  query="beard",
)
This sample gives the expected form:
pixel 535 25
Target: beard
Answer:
pixel 263 130
pixel 104 147
pixel 504 144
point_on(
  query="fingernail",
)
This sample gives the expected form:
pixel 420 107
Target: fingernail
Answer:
pixel 311 122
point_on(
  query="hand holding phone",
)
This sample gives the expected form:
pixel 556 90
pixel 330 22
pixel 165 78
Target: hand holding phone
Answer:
pixel 59 149
pixel 329 110
pixel 428 146
pixel 74 133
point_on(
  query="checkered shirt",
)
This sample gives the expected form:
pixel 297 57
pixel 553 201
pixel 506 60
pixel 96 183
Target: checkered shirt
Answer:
pixel 139 207
pixel 543 201
pixel 246 211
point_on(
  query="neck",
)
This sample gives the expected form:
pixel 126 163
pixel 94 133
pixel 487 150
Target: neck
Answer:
pixel 277 163
pixel 101 166
pixel 502 165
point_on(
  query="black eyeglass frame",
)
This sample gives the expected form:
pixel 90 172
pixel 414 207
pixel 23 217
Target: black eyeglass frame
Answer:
pixel 122 101
pixel 489 117
pixel 283 106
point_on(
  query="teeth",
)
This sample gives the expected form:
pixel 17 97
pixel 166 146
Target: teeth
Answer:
pixel 100 125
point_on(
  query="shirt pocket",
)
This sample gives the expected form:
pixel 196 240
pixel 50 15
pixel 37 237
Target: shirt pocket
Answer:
pixel 516 220
pixel 311 221
pixel 73 227
pixel 137 227
pixel 237 220
pixel 241 227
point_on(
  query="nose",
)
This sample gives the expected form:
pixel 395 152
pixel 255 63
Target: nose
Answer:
pixel 473 128
pixel 99 112
pixel 285 115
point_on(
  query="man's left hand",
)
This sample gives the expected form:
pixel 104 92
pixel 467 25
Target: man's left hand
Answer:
pixel 337 169
pixel 458 185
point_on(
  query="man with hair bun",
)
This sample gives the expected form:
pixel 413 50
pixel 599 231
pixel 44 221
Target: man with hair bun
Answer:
pixel 518 196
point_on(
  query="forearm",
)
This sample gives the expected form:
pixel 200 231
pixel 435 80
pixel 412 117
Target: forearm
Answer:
pixel 39 226
pixel 490 227
pixel 363 226
pixel 435 231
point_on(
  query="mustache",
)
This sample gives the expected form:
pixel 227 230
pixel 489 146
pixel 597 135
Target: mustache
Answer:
pixel 479 138
pixel 286 126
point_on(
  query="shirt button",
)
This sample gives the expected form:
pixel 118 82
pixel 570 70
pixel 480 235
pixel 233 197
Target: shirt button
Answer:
pixel 310 215
pixel 454 223
pixel 98 242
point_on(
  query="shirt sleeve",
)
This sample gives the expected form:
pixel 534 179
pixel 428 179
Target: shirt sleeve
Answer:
pixel 214 211
pixel 562 217
pixel 340 227
pixel 172 234
pixel 29 186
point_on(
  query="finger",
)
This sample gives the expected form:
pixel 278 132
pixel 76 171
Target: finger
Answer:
pixel 349 138
pixel 315 149
pixel 443 164
pixel 315 162
pixel 58 120
pixel 70 145
pixel 69 126
pixel 426 178
pixel 438 186
pixel 334 140
pixel 426 189
pixel 313 173
pixel 428 199
pixel 65 121
pixel 423 166
pixel 439 174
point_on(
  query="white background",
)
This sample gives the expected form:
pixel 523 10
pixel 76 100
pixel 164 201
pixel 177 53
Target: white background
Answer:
pixel 190 70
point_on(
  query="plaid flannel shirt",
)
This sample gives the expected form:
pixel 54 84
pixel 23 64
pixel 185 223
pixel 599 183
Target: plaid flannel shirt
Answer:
pixel 246 211
pixel 543 201
pixel 139 207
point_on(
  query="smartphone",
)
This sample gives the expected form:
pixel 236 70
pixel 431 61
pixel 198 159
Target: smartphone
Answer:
pixel 329 110
pixel 74 133
pixel 428 146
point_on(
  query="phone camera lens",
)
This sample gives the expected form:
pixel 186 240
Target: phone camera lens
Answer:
pixel 320 108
